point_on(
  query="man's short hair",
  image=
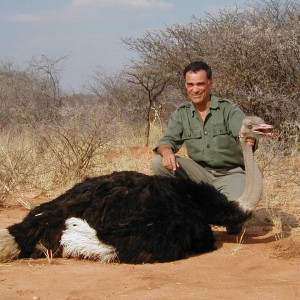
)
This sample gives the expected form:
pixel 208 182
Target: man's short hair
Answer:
pixel 196 66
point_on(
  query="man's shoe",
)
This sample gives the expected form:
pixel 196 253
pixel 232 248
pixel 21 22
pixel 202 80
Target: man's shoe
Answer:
pixel 234 229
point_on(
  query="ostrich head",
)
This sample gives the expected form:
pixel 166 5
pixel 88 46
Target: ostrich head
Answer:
pixel 255 127
pixel 252 127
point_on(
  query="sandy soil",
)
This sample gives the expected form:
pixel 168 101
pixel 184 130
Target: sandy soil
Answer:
pixel 263 263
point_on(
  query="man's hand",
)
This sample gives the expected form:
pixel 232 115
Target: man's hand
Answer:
pixel 250 140
pixel 169 160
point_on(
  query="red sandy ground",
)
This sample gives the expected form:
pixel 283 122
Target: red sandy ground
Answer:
pixel 266 265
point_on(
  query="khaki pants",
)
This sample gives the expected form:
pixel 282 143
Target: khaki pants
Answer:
pixel 229 182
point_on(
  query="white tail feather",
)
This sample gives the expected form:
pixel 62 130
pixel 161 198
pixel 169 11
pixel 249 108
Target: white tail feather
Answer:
pixel 80 240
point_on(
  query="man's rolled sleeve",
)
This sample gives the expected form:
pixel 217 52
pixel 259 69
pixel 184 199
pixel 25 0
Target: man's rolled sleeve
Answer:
pixel 173 134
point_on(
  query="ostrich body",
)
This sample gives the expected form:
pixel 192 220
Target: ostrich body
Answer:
pixel 130 217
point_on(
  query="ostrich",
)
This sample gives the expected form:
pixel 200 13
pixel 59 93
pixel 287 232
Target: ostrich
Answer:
pixel 129 217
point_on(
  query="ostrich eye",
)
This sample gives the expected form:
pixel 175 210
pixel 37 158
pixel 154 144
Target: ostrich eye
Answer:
pixel 250 126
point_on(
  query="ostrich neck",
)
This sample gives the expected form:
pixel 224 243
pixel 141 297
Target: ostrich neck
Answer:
pixel 253 189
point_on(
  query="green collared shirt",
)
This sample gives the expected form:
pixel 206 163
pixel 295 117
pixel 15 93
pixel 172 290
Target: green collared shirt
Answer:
pixel 213 142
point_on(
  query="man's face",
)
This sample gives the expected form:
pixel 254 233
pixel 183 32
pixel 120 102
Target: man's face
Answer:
pixel 198 86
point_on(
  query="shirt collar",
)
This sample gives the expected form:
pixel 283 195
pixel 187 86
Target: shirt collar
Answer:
pixel 214 104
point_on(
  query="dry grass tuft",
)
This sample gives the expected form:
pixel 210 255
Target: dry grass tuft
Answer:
pixel 239 243
pixel 48 253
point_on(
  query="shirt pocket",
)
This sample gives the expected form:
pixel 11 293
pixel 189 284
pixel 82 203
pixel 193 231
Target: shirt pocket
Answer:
pixel 222 137
pixel 191 134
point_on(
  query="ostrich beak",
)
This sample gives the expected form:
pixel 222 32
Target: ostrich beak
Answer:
pixel 263 129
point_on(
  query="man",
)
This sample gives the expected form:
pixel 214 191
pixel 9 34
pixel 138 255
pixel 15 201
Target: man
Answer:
pixel 209 127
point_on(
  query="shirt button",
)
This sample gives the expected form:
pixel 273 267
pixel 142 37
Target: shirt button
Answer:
pixel 189 135
pixel 208 146
pixel 205 132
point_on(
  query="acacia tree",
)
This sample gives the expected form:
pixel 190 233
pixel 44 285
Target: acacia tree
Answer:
pixel 150 85
pixel 167 51
pixel 133 94
pixel 49 69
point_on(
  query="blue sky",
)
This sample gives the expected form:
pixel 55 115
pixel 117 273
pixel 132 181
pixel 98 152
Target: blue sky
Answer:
pixel 89 32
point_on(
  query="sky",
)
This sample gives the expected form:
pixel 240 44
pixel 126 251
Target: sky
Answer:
pixel 89 32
